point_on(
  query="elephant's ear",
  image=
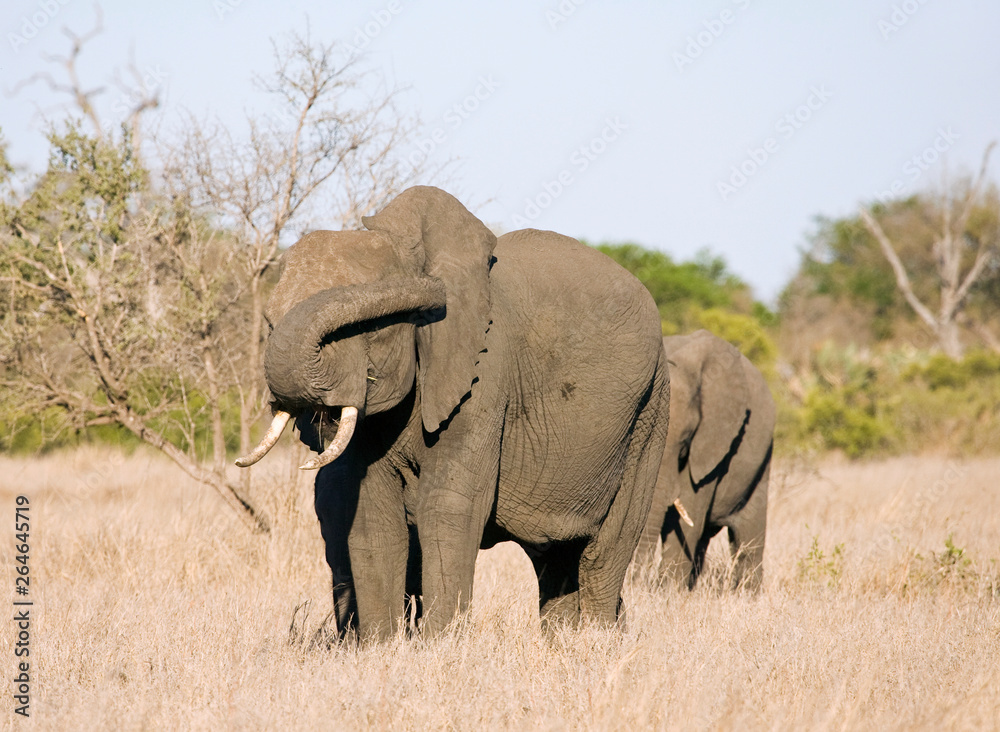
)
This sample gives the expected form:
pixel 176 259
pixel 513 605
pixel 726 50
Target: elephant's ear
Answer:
pixel 439 236
pixel 723 398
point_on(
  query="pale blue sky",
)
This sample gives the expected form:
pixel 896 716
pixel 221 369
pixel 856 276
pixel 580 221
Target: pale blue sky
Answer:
pixel 593 115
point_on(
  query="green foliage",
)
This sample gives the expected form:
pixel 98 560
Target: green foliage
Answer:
pixel 843 408
pixel 842 424
pixel 942 372
pixel 745 332
pixel 6 169
pixel 818 567
pixel 950 570
pixel 866 404
pixel 683 291
pixel 676 287
pixel 844 260
pixel 86 193
pixel 102 320
pixel 184 420
pixel 844 264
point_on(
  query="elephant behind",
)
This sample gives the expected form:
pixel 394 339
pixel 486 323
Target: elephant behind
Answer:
pixel 461 391
pixel 716 463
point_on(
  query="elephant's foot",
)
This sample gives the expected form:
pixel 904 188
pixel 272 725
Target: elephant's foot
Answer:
pixel 560 611
pixel 748 566
pixel 675 572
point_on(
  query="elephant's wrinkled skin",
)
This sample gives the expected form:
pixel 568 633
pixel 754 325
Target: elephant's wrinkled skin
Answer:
pixel 716 462
pixel 510 389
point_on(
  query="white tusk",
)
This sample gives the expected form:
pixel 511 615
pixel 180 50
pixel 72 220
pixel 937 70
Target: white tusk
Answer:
pixel 348 418
pixel 684 514
pixel 273 433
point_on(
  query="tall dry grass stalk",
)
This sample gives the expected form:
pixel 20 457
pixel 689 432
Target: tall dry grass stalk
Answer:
pixel 155 609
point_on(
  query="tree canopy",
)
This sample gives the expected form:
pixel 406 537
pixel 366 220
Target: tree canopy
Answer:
pixel 845 274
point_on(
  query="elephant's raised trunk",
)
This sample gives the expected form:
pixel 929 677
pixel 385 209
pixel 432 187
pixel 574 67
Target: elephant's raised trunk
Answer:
pixel 294 364
pixel 299 375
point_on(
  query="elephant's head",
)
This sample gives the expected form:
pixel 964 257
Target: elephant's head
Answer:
pixel 357 316
pixel 709 400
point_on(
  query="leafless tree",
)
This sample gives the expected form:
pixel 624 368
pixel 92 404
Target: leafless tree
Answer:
pixel 97 323
pixel 136 99
pixel 136 299
pixel 952 248
pixel 326 151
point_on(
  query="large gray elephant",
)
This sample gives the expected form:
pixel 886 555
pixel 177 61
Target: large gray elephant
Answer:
pixel 471 390
pixel 716 462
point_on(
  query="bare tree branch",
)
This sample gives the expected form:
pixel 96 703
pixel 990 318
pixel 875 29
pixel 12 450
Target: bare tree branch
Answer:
pixel 949 251
pixel 902 278
pixel 975 189
pixel 137 300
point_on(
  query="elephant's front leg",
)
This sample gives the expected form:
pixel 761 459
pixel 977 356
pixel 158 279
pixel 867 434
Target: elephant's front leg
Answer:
pixel 336 503
pixel 367 542
pixel 457 494
pixel 378 543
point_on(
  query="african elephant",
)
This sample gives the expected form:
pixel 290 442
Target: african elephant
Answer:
pixel 716 462
pixel 472 390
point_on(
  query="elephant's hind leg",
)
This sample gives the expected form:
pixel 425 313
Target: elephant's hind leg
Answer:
pixel 557 568
pixel 606 557
pixel 747 530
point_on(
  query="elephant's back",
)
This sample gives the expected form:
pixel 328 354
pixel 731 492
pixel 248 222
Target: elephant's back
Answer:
pixel 574 306
pixel 566 287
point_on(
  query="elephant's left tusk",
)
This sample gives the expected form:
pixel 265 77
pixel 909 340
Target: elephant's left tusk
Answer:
pixel 684 514
pixel 269 440
pixel 348 418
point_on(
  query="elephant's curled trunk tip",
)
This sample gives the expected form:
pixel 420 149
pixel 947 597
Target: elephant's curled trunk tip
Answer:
pixel 269 440
pixel 345 430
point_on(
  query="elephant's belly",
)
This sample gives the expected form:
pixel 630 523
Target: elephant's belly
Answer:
pixel 558 484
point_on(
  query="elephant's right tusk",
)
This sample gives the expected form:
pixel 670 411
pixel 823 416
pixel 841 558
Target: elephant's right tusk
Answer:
pixel 684 514
pixel 269 440
pixel 348 418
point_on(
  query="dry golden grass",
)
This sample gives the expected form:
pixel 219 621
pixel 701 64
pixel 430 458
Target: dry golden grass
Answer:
pixel 155 609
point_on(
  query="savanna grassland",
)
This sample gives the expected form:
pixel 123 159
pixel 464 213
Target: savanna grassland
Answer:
pixel 156 609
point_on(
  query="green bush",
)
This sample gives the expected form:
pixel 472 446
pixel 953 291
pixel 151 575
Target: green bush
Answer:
pixel 868 404
pixel 743 331
pixel 942 372
pixel 857 430
pixel 24 431
pixel 682 290
pixel 818 567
